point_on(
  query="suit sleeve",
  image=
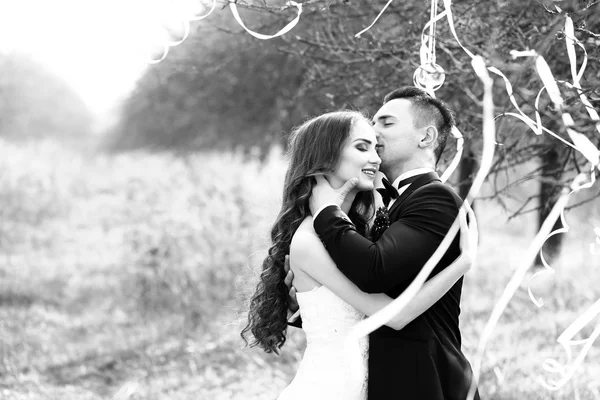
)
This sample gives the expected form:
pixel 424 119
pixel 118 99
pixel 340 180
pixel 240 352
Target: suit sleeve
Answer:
pixel 398 256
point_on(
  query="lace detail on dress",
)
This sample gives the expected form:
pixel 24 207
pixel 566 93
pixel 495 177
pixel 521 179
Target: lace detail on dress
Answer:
pixel 333 366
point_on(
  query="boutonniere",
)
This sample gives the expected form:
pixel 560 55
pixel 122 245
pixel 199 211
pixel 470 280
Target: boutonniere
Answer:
pixel 380 224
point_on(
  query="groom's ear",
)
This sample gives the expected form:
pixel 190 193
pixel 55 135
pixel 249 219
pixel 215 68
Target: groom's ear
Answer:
pixel 429 138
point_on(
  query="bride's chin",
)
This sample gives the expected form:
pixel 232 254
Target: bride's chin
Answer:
pixel 365 186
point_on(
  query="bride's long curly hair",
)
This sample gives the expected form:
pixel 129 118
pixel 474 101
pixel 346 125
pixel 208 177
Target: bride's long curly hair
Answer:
pixel 314 149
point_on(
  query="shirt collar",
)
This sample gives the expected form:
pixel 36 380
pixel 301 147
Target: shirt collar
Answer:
pixel 411 173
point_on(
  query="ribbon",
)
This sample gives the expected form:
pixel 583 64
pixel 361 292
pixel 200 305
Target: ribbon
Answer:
pixel 384 315
pixel 375 20
pixel 460 141
pixel 283 31
pixel 567 342
pixel 199 17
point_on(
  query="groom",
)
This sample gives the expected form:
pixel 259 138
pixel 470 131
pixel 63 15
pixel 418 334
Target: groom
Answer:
pixel 423 360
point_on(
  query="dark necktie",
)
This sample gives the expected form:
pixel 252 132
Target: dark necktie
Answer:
pixel 388 192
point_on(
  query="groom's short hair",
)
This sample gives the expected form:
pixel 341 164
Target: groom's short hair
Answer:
pixel 427 110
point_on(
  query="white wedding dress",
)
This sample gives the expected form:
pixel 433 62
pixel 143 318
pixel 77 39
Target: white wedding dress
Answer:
pixel 333 366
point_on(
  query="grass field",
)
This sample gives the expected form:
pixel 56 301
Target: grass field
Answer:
pixel 124 276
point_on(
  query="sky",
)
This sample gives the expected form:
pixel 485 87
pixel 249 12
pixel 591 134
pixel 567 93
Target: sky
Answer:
pixel 100 47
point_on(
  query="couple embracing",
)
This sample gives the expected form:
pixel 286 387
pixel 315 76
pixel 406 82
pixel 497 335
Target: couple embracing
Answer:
pixel 355 241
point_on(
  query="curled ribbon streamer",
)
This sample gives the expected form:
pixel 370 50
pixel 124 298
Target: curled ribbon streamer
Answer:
pixel 212 8
pixel 186 23
pixel 580 144
pixel 426 56
pixel 450 18
pixel 544 129
pixel 537 128
pixel 544 233
pixel 589 151
pixel 587 148
pixel 489 128
pixel 584 145
pixel 162 57
pixel 533 125
pixel 460 141
pixel 424 51
pixel 384 315
pixel 571 40
pixel 512 287
pixel 565 340
pixel 283 31
pixel 168 44
pixel 588 106
pixel 538 118
pixel 375 20
pixel 576 187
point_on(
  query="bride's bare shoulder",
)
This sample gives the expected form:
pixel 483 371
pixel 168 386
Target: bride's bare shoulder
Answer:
pixel 305 249
pixel 304 237
pixel 307 224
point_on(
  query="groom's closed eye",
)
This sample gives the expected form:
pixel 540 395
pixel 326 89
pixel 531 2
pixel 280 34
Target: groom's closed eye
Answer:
pixel 385 120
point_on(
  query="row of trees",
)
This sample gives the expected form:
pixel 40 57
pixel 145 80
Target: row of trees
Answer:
pixel 36 104
pixel 224 88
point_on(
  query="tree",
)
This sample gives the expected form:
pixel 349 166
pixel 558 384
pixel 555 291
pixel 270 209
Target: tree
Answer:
pixel 36 104
pixel 387 55
pixel 321 65
pixel 218 89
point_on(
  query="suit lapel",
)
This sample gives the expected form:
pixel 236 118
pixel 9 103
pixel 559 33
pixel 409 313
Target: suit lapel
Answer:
pixel 421 181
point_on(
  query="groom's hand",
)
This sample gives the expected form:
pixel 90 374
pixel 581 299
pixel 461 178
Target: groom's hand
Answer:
pixel 323 194
pixel 289 277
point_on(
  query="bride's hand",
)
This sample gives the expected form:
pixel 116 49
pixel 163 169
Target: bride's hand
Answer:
pixel 377 183
pixel 293 306
pixel 469 234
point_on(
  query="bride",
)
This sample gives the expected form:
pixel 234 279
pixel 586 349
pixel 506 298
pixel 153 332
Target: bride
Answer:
pixel 338 145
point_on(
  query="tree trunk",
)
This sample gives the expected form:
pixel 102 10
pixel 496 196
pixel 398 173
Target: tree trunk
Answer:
pixel 549 193
pixel 467 168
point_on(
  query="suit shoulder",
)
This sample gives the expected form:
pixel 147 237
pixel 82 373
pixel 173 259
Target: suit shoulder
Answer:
pixel 438 189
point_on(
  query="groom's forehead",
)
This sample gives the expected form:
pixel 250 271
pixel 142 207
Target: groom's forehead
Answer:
pixel 380 117
pixel 393 108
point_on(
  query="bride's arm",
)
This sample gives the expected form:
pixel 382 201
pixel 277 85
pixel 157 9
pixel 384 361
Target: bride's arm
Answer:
pixel 309 255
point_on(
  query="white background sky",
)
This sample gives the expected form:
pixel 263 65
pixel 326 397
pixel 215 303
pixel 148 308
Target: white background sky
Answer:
pixel 96 45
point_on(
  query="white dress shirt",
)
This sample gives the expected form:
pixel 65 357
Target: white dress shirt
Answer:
pixel 407 174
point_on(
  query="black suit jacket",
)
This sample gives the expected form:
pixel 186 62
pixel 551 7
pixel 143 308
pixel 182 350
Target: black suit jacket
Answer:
pixel 424 360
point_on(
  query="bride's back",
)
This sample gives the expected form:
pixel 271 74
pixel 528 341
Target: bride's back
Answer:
pixel 333 367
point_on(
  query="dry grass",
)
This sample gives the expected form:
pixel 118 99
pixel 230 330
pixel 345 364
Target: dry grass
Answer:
pixel 124 277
